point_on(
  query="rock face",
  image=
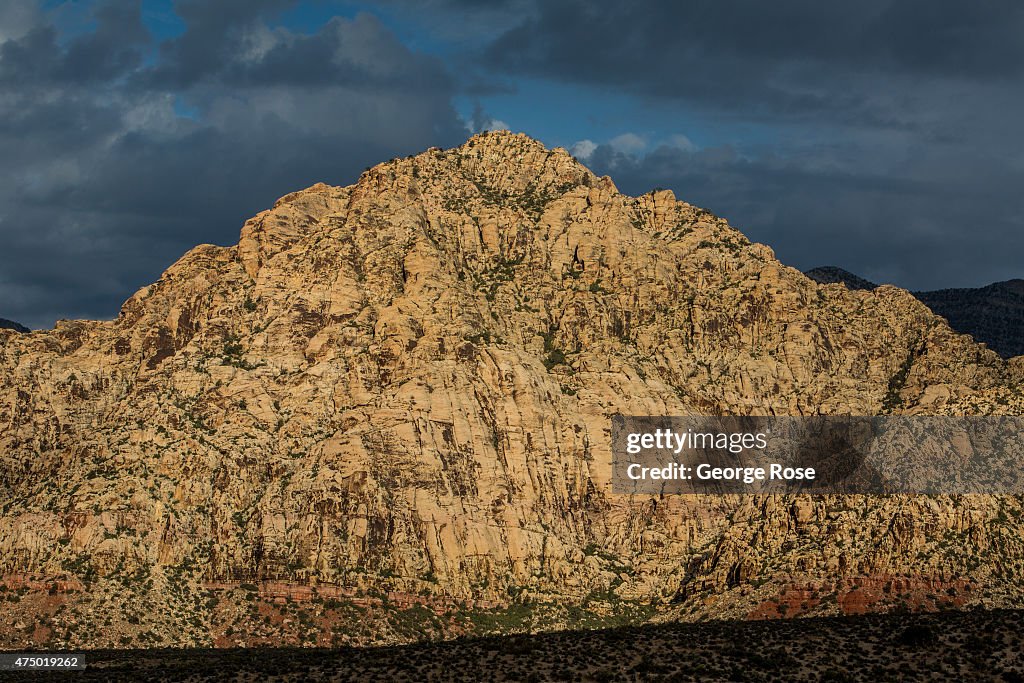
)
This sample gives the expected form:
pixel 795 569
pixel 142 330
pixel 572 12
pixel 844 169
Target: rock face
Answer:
pixel 404 388
pixel 993 314
pixel 11 325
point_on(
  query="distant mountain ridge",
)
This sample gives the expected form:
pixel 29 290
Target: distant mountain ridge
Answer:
pixel 993 314
pixel 6 324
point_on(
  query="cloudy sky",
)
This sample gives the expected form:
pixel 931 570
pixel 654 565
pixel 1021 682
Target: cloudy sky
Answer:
pixel 883 136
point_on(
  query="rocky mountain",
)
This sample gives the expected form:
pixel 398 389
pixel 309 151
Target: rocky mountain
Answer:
pixel 993 314
pixel 11 325
pixel 384 414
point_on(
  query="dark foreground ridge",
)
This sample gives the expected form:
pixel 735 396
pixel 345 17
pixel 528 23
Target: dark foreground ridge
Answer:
pixel 973 646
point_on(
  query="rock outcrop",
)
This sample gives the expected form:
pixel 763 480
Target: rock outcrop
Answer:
pixel 403 388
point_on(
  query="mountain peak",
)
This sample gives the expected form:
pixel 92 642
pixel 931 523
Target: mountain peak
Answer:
pixel 517 159
pixel 504 138
pixel 490 171
pixel 505 142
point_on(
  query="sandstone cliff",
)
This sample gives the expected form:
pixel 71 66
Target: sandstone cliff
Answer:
pixel 400 391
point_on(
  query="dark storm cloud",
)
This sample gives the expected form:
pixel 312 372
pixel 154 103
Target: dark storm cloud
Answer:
pixel 108 52
pixel 115 164
pixel 232 45
pixel 884 136
pixel 215 30
pixel 780 55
